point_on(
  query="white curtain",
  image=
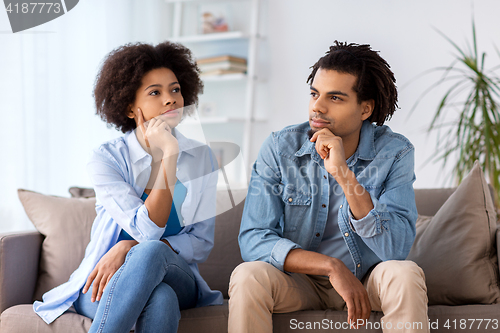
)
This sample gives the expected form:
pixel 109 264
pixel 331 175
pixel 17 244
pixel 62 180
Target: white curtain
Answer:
pixel 46 80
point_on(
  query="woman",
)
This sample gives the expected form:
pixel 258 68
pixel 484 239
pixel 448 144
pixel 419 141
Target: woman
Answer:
pixel 155 199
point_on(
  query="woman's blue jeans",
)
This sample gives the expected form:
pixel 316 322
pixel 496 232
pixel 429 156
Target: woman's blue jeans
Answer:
pixel 150 288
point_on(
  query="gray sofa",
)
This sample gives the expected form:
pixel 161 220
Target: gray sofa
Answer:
pixel 19 255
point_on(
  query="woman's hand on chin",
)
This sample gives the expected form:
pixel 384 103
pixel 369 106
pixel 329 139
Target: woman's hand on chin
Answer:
pixel 106 267
pixel 158 134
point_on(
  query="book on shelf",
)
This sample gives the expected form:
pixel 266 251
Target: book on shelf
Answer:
pixel 222 65
pixel 221 72
pixel 229 58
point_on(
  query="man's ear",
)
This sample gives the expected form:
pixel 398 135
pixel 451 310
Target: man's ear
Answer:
pixel 367 108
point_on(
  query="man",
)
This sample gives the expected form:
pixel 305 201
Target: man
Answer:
pixel 330 213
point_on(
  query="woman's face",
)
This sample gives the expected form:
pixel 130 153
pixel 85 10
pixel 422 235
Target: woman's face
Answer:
pixel 159 94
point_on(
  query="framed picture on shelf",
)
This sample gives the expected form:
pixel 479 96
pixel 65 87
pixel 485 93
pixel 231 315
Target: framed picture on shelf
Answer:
pixel 214 17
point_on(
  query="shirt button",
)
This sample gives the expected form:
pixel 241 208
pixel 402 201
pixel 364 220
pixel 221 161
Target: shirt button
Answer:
pixel 346 234
pixel 177 169
pixel 358 265
pixel 324 176
pixel 318 234
pixel 290 199
pixel 341 206
pixel 323 205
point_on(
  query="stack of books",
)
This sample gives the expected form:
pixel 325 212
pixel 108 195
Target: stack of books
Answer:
pixel 221 65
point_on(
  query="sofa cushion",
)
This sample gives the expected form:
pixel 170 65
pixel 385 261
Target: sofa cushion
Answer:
pixel 66 224
pixel 22 319
pixel 225 255
pixel 456 247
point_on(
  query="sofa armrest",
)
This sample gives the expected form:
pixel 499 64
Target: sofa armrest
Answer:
pixel 19 256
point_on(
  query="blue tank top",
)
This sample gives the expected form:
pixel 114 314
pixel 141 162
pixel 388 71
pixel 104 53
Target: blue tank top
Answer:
pixel 173 224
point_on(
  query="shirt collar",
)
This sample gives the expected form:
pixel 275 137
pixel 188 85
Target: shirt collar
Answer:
pixel 364 151
pixel 366 147
pixel 134 147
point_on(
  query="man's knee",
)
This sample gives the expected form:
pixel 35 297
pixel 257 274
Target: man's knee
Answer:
pixel 252 275
pixel 402 273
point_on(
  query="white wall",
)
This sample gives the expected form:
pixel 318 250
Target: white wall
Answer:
pixel 49 122
pixel 300 32
pixel 46 82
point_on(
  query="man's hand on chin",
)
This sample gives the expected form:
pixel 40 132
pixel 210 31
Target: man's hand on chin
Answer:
pixel 331 149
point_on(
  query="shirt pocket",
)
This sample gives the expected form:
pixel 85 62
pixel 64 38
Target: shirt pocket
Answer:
pixel 297 205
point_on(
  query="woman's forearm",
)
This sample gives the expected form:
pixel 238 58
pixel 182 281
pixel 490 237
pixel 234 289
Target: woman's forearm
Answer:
pixel 159 200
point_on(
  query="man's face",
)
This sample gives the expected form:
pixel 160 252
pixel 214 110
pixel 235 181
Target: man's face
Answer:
pixel 334 104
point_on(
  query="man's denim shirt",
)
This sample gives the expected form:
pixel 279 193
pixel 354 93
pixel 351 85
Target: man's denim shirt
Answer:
pixel 287 202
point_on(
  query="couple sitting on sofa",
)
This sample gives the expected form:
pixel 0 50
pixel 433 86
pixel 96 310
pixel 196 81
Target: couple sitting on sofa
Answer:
pixel 329 217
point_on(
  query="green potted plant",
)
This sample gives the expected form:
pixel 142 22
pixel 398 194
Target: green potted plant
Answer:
pixel 474 93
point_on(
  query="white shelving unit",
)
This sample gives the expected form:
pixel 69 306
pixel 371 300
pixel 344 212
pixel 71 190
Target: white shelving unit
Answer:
pixel 239 116
pixel 209 37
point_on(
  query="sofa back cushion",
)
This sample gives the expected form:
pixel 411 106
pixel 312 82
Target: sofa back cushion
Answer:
pixel 456 247
pixel 430 200
pixel 66 224
pixel 225 255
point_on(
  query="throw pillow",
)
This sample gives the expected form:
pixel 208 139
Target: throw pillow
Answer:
pixel 81 192
pixel 66 224
pixel 456 247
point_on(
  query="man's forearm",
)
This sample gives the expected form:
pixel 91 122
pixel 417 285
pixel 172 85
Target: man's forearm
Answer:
pixel 357 196
pixel 309 262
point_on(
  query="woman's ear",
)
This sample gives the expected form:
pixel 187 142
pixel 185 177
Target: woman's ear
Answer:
pixel 367 107
pixel 130 112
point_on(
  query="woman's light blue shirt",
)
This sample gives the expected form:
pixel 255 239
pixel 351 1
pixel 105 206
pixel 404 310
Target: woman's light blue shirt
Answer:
pixel 120 170
pixel 173 223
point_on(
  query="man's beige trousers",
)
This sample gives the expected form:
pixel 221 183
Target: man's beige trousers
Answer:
pixel 258 289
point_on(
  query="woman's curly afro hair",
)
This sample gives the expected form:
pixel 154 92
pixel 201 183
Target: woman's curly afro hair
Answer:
pixel 123 69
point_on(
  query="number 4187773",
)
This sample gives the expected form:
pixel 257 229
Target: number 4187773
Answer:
pixel 31 7
pixel 471 324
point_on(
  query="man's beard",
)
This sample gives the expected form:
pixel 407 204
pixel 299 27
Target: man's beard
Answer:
pixel 310 133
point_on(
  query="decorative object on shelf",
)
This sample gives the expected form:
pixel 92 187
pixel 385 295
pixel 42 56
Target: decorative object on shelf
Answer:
pixel 475 95
pixel 220 65
pixel 214 18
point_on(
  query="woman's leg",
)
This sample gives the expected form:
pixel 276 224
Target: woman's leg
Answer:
pixel 161 313
pixel 84 306
pixel 132 290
